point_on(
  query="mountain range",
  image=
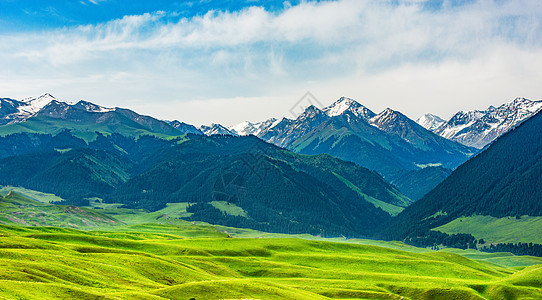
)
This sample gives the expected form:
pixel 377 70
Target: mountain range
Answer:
pixel 414 157
pixel 328 171
pixel 389 142
pixel 46 114
pixel 501 182
pixel 276 190
pixel 478 128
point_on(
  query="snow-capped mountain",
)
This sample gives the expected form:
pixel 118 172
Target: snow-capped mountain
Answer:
pixel 345 104
pixel 215 129
pixel 248 128
pixel 478 128
pixel 389 142
pixel 430 121
pixel 91 107
pixel 184 127
pixel 14 111
pixel 346 124
pixel 43 113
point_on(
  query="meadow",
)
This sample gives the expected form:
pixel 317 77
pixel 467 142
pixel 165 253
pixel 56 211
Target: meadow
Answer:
pixel 195 261
pixel 107 252
pixel 525 229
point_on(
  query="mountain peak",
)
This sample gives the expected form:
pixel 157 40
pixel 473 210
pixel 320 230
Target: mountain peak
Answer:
pixel 478 128
pixel 183 127
pixel 91 107
pixel 249 128
pixel 310 112
pixel 520 100
pixel 345 104
pixel 430 121
pixel 34 105
pixel 216 129
pixel 388 113
pixel 390 120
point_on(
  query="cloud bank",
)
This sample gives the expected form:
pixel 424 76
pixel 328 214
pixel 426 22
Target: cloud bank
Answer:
pixel 414 56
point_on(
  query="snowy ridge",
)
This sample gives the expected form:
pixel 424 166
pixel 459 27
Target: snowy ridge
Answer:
pixel 248 128
pixel 184 128
pixel 31 106
pixel 430 121
pixel 91 107
pixel 480 127
pixel 345 104
pixel 19 111
pixel 216 129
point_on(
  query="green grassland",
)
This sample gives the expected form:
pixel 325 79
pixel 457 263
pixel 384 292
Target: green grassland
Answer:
pixel 158 255
pixel 84 130
pixel 526 229
pixel 393 210
pixel 18 210
pixel 155 261
pixel 30 194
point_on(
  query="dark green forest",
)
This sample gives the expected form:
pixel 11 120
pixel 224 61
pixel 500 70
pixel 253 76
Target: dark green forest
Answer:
pixel 503 180
pixel 281 191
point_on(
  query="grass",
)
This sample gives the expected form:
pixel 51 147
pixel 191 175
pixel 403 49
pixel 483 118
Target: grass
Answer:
pixel 86 131
pixel 497 230
pixel 229 208
pixel 171 214
pixel 153 261
pixel 393 210
pixel 31 194
pixel 159 256
pixel 18 210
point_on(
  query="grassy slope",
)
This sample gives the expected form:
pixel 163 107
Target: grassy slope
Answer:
pixel 181 262
pixel 393 210
pixel 30 194
pixel 15 209
pixel 85 131
pixel 501 230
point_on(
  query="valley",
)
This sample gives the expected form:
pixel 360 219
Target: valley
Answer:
pixel 150 212
pixel 269 150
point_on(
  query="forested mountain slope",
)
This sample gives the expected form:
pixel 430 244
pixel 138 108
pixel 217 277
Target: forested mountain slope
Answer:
pixel 504 180
pixel 276 190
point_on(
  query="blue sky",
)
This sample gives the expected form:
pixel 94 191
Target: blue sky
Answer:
pixel 17 15
pixel 230 61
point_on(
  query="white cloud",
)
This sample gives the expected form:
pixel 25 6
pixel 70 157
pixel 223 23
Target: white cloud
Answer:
pixel 403 55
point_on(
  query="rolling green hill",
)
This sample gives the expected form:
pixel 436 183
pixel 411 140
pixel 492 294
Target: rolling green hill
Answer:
pixel 18 210
pixel 198 262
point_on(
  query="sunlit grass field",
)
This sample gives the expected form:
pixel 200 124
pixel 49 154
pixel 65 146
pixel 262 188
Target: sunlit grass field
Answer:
pixel 524 229
pixel 153 261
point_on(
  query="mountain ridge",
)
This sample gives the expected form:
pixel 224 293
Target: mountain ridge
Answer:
pixel 502 181
pixel 478 128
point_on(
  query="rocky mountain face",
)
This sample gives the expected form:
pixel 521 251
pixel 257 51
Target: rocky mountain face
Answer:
pixel 430 121
pixel 478 128
pixel 184 127
pixel 15 111
pixel 248 128
pixel 216 129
